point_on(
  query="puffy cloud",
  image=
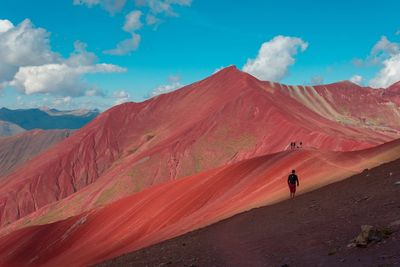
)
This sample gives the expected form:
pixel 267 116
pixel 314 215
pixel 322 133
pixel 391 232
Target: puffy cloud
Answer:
pixel 357 79
pixel 58 79
pixel 275 57
pixel 112 6
pixel 386 54
pixel 389 74
pixel 126 46
pixel 29 65
pixel 5 25
pixel 23 45
pixel 121 97
pixel 383 49
pixel 120 94
pixel 174 83
pixel 132 21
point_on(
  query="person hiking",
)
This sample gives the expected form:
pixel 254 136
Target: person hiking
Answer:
pixel 292 181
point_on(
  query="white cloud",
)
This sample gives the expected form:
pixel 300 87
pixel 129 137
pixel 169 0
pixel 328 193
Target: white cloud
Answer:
pixel 132 24
pixel 397 32
pixel 120 94
pixel 317 80
pixel 5 25
pixel 125 46
pixel 174 83
pixel 62 102
pixel 152 20
pixel 162 6
pixel 121 97
pixel 23 45
pixel 357 79
pixel 386 54
pixel 275 57
pixel 389 74
pixel 58 79
pixel 112 6
pixel 152 9
pixel 384 46
pixel 132 21
pixel 382 50
pixel 29 65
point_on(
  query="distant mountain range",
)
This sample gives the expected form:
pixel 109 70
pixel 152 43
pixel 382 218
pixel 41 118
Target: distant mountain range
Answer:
pixel 43 118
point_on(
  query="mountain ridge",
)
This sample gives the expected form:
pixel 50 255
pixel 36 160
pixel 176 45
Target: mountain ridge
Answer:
pixel 225 118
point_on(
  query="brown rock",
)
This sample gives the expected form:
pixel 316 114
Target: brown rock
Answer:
pixel 368 234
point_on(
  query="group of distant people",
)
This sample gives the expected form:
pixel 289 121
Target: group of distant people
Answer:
pixel 294 145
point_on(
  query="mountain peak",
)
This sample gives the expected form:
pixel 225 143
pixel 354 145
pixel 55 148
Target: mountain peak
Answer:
pixel 231 72
pixel 229 69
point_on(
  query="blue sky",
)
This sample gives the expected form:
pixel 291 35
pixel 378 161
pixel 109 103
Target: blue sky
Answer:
pixel 324 41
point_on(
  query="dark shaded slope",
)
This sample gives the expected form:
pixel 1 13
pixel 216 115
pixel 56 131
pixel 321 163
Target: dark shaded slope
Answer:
pixel 313 230
pixel 37 119
pixel 8 128
pixel 16 150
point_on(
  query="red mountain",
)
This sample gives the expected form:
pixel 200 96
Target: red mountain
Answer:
pixel 225 118
pixel 176 207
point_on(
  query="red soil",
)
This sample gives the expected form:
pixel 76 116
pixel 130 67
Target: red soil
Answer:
pixel 312 230
pixel 176 207
pixel 223 119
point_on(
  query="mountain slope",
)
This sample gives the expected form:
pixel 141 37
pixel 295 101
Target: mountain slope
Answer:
pixel 16 150
pixel 341 102
pixel 225 118
pixel 8 128
pixel 324 220
pixel 176 207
